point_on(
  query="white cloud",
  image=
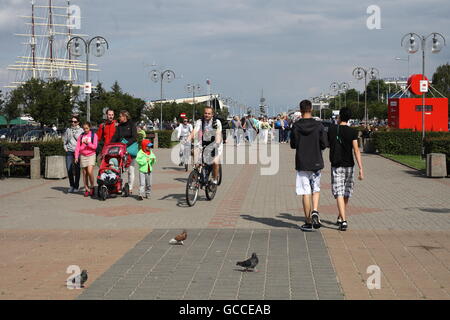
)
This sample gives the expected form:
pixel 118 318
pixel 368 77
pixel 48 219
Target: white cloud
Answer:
pixel 291 48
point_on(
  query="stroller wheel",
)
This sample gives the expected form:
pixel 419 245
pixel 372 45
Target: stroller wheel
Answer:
pixel 103 193
pixel 126 190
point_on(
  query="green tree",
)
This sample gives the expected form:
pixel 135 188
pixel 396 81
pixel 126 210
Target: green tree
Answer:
pixel 47 103
pixel 10 108
pixel 116 100
pixel 377 110
pixel 2 101
pixel 441 81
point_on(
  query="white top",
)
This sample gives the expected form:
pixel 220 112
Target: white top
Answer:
pixel 184 130
pixel 208 129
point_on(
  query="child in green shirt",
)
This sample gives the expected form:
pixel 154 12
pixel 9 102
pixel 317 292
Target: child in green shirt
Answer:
pixel 145 159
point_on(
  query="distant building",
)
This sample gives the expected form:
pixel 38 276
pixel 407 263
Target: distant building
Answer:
pixel 216 102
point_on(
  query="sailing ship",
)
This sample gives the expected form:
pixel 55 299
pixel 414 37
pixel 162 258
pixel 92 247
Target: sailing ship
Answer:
pixel 51 25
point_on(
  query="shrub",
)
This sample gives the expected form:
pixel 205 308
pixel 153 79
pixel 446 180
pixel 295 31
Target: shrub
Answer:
pixel 439 145
pixel 402 141
pixel 165 138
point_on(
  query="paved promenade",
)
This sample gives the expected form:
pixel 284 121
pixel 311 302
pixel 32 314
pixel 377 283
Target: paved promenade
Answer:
pixel 398 221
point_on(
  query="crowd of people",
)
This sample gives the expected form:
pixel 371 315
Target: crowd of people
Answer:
pixel 305 134
pixel 82 145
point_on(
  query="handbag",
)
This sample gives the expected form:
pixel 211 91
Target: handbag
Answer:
pixel 132 149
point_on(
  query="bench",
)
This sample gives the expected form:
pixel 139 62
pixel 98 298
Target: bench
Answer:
pixel 31 159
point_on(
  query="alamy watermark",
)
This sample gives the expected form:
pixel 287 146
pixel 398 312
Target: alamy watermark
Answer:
pixel 74 17
pixel 259 149
pixel 373 281
pixel 74 280
pixel 374 20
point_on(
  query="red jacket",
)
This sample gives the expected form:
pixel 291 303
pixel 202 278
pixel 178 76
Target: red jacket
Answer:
pixel 106 131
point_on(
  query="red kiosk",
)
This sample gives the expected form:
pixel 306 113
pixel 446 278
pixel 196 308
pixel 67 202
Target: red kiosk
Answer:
pixel 406 113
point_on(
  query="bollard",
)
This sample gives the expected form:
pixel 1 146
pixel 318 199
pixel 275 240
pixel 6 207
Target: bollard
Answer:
pixel 35 165
pixel 55 167
pixel 155 141
pixel 436 165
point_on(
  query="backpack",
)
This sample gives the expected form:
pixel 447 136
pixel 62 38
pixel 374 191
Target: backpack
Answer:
pixel 225 126
pixel 83 134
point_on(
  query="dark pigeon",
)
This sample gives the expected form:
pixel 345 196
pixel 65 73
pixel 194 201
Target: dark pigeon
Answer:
pixel 249 263
pixel 81 278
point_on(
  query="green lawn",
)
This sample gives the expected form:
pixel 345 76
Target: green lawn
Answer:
pixel 412 161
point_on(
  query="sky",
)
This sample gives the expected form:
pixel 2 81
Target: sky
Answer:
pixel 291 49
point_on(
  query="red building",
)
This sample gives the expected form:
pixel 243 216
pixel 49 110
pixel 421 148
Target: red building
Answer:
pixel 406 113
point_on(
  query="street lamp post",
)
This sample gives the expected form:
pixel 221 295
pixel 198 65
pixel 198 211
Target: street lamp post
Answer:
pixel 338 88
pixel 100 45
pixel 161 76
pixel 413 47
pixel 403 59
pixel 359 73
pixel 192 88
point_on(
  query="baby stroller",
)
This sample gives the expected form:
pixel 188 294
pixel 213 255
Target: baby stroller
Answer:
pixel 114 162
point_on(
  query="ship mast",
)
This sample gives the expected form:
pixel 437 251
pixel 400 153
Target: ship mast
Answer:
pixel 33 40
pixel 50 36
pixel 69 35
pixel 47 38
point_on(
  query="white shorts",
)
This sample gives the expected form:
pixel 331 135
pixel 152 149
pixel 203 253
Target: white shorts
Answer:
pixel 307 182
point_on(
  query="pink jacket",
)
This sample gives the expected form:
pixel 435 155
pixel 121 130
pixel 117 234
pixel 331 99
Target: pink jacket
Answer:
pixel 86 149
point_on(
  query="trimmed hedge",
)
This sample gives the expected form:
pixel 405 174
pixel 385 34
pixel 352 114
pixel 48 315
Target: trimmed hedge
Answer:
pixel 46 148
pixel 165 138
pixel 403 142
pixel 439 145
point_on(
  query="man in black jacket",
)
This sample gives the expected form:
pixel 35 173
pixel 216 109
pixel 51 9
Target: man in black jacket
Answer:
pixel 309 138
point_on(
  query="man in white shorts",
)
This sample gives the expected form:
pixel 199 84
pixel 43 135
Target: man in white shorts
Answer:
pixel 309 139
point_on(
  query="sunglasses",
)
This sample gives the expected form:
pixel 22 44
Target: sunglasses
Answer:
pixel 74 121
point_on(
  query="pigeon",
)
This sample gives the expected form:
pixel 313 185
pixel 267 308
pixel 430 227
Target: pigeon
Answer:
pixel 249 263
pixel 81 278
pixel 179 238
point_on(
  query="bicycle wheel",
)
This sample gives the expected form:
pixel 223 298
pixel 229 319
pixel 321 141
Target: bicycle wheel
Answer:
pixel 210 188
pixel 192 187
pixel 219 178
pixel 103 192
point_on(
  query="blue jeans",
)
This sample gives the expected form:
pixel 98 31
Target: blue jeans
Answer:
pixel 73 170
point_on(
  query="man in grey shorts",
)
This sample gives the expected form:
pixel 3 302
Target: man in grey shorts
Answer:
pixel 309 139
pixel 343 142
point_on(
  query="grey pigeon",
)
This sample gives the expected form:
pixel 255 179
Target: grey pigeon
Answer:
pixel 81 278
pixel 249 263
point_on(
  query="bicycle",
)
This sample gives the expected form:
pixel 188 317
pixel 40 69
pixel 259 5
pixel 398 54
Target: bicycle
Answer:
pixel 201 178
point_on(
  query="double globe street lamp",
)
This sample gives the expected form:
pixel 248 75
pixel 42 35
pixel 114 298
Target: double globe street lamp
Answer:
pixel 193 88
pixel 360 73
pixel 339 88
pixel 412 42
pixel 98 45
pixel 161 76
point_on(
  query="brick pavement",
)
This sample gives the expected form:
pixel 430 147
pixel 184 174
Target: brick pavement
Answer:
pixel 292 265
pixel 398 220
